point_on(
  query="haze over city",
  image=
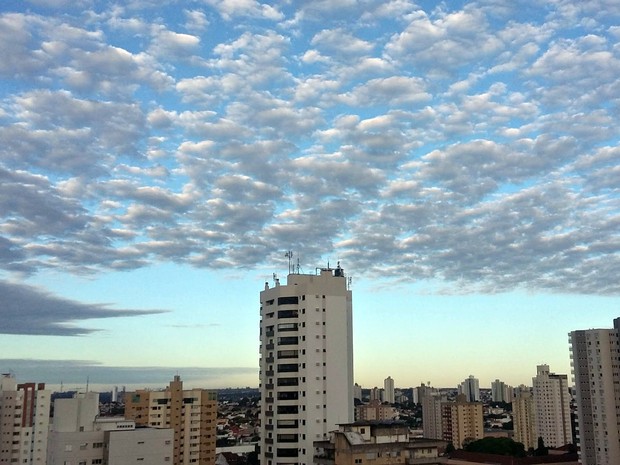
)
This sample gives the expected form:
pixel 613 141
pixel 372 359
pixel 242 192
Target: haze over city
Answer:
pixel 158 159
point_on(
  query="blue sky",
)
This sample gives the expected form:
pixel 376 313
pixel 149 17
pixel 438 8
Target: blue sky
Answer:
pixel 158 158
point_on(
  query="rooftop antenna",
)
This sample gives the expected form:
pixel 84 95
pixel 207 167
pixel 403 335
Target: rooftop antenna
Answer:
pixel 276 281
pixel 298 266
pixel 291 267
pixel 87 382
pixel 350 279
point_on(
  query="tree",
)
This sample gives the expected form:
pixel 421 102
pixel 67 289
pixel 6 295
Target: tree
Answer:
pixel 450 448
pixel 541 449
pixel 499 446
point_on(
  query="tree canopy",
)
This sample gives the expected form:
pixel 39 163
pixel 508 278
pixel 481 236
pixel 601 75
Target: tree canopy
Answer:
pixel 500 446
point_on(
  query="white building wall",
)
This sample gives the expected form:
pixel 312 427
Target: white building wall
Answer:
pixel 552 407
pixel 323 367
pixel 24 422
pixel 148 446
pixel 595 355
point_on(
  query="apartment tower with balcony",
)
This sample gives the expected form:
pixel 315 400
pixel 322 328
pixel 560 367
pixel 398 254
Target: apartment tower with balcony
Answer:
pixel 24 421
pixel 595 363
pixel 306 364
pixel 552 407
pixel 190 413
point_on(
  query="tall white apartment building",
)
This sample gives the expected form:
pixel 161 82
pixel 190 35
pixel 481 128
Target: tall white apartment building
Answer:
pixel 552 407
pixel 470 388
pixel 306 365
pixel 24 421
pixel 388 390
pixel 595 357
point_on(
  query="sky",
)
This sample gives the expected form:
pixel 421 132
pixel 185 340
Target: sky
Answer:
pixel 158 158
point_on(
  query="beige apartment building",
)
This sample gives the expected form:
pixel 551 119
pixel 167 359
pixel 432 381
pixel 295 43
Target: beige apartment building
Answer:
pixel 524 418
pixel 192 414
pixel 462 420
pixel 375 410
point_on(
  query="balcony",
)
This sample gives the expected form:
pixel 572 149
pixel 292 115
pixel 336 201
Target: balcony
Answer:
pixel 269 400
pixel 268 427
pixel 269 373
pixel 268 441
pixel 269 386
pixel 269 346
pixel 269 360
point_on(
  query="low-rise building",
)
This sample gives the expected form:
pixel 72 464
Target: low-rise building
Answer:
pixel 375 411
pixel 79 436
pixel 379 443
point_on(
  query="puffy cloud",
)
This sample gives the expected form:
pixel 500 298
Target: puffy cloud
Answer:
pixel 475 145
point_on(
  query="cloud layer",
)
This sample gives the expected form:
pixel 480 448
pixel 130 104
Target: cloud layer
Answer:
pixel 475 143
pixel 75 374
pixel 29 310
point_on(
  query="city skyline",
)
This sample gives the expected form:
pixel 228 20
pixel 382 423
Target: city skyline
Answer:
pixel 160 158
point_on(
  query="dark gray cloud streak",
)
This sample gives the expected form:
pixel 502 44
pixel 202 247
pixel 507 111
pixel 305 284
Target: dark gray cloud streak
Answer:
pixel 29 310
pixel 76 373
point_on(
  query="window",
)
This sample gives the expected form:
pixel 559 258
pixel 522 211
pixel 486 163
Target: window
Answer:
pixel 293 300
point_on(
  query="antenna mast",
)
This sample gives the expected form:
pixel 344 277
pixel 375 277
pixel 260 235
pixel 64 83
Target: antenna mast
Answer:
pixel 291 266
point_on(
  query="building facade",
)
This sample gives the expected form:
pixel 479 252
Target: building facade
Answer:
pixel 524 419
pixel 24 421
pixel 431 413
pixel 191 414
pixel 501 392
pixel 388 390
pixel 552 407
pixel 306 365
pixel 595 363
pixel 377 443
pixel 461 421
pixel 79 436
pixel 470 388
pixel 375 411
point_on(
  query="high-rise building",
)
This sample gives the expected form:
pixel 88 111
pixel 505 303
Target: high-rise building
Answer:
pixel 388 390
pixel 462 420
pixel 24 421
pixel 357 391
pixel 500 391
pixel 552 407
pixel 470 388
pixel 306 365
pixel 80 436
pixel 595 363
pixel 192 414
pixel 524 419
pixel 431 413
